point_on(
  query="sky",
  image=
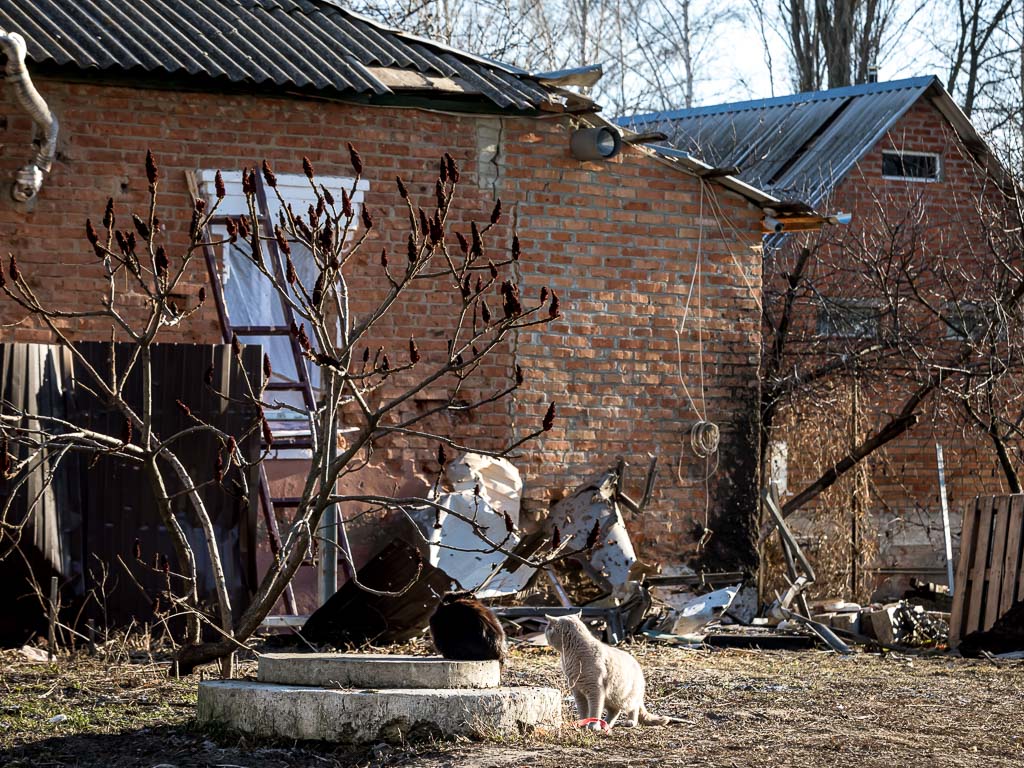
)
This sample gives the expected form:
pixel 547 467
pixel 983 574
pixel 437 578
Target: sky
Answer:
pixel 739 68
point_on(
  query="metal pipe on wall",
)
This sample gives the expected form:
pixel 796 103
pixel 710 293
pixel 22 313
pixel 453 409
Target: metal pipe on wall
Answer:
pixel 29 179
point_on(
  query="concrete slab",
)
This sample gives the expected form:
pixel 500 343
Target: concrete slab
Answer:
pixel 375 670
pixel 351 716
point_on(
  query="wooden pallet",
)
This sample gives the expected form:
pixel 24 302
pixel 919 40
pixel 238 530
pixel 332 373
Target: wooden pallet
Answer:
pixel 990 574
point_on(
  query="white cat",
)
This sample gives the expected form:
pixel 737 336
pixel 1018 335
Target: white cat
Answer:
pixel 601 678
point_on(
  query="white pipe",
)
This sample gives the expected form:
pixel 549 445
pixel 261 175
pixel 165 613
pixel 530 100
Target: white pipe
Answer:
pixel 29 179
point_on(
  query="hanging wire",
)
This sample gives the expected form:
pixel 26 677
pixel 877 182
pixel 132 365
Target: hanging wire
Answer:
pixel 704 437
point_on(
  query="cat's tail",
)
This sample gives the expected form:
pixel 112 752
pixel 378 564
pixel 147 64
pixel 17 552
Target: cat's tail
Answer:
pixel 646 718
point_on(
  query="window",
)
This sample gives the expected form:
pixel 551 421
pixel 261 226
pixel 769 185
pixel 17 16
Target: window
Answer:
pixel 971 320
pixel 910 166
pixel 249 299
pixel 848 319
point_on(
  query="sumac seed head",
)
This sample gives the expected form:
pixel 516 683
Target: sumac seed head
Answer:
pixel 356 160
pixel 152 172
pixel 549 418
pixel 268 175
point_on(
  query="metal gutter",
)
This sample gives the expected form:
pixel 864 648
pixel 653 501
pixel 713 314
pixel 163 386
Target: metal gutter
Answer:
pixel 700 168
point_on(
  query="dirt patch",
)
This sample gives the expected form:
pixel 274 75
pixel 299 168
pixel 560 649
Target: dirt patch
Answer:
pixel 793 709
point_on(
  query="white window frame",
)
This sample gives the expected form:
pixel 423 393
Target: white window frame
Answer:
pixel 296 191
pixel 925 179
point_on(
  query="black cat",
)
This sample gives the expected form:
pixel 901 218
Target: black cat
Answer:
pixel 464 629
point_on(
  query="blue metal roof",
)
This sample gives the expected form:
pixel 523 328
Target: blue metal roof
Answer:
pixel 307 44
pixel 796 147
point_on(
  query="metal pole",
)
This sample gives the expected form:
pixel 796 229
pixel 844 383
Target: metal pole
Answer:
pixel 945 517
pixel 327 565
pixel 52 637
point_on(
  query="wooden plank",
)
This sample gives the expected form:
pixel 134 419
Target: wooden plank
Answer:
pixel 1013 569
pixel 995 570
pixel 961 593
pixel 982 538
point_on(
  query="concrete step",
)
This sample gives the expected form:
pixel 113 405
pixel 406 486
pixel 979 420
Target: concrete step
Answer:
pixel 351 716
pixel 364 670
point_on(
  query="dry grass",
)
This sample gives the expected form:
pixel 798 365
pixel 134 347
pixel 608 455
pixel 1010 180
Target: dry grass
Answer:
pixel 793 709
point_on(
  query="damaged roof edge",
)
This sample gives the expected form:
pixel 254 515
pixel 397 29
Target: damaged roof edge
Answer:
pixel 689 164
pixel 701 169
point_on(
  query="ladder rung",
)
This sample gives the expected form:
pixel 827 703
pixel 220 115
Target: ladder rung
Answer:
pixel 261 330
pixel 287 385
pixel 281 444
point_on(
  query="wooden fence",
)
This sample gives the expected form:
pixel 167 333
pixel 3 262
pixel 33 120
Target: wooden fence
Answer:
pixel 990 574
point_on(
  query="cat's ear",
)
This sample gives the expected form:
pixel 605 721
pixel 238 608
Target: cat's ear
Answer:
pixel 551 619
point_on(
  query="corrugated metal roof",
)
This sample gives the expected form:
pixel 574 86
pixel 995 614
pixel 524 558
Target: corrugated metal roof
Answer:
pixel 310 44
pixel 796 147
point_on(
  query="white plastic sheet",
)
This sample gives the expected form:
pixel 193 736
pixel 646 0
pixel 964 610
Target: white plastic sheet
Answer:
pixel 464 556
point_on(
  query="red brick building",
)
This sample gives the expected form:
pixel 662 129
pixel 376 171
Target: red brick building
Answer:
pixel 903 159
pixel 656 266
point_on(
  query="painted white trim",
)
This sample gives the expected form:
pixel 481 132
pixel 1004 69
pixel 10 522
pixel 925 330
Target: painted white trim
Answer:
pixel 294 188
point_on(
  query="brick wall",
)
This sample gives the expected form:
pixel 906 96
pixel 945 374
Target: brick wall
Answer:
pixel 619 241
pixel 902 478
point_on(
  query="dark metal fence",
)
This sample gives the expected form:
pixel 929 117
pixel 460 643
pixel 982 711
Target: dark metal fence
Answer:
pixel 87 522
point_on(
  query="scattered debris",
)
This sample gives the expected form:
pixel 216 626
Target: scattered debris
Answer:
pixel 485 497
pixel 701 611
pixel 763 638
pixel 355 616
pixel 827 635
pixel 33 654
pixel 596 503
pixel 514 575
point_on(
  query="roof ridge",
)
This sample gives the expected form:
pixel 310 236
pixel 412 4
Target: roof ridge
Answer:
pixel 864 89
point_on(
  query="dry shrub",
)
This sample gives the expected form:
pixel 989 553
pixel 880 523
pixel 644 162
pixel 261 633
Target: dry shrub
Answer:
pixel 826 527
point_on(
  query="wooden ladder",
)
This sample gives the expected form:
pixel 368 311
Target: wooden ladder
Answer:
pixel 302 385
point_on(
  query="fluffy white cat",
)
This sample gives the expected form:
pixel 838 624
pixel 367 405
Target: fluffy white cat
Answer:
pixel 601 678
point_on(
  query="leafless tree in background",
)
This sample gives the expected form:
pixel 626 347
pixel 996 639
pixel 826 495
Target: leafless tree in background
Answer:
pixel 981 43
pixel 834 43
pixel 980 40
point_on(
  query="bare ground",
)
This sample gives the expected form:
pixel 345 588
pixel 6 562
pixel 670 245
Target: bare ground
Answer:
pixel 744 708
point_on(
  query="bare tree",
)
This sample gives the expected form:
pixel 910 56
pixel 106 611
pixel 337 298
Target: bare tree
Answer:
pixel 980 40
pixel 917 312
pixel 368 378
pixel 835 43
